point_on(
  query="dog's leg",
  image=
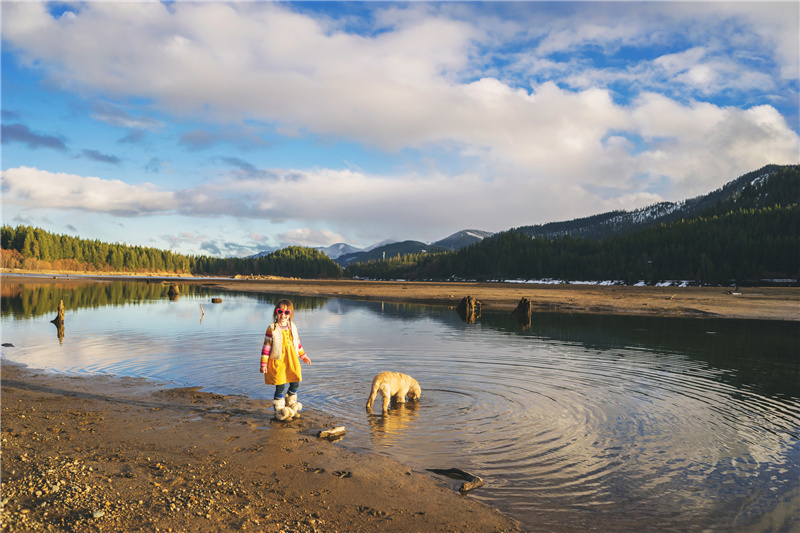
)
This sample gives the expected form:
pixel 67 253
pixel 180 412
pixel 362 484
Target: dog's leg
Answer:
pixel 387 397
pixel 401 396
pixel 372 396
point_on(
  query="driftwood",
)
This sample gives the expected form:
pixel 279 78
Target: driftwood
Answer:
pixel 470 481
pixel 334 433
pixel 469 309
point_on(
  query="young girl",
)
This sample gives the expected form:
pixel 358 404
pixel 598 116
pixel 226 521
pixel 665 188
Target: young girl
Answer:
pixel 280 360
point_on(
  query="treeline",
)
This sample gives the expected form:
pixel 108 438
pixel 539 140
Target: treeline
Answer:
pixel 33 248
pixel 30 248
pixel 746 245
pixel 292 261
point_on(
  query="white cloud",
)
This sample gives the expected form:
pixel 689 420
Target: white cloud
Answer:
pixel 308 237
pixel 32 187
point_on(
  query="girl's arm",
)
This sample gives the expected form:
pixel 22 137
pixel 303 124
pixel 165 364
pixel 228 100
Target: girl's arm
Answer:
pixel 265 350
pixel 301 353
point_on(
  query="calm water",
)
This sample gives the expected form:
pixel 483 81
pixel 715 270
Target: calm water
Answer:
pixel 610 423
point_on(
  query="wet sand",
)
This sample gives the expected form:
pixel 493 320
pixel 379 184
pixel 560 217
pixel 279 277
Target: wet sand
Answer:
pixel 117 454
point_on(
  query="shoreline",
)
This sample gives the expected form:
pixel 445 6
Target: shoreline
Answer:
pixel 101 453
pixel 749 303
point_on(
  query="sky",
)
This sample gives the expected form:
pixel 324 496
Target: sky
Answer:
pixel 226 129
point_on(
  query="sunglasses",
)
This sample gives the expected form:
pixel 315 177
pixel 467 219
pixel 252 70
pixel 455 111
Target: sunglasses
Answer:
pixel 283 312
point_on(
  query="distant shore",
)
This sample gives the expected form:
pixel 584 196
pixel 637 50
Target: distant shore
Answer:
pixel 756 303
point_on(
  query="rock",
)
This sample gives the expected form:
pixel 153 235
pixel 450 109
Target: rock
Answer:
pixel 216 300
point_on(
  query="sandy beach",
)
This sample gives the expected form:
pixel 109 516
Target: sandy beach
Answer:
pixel 121 454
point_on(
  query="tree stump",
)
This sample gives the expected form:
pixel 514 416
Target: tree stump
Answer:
pixel 59 319
pixel 523 312
pixel 469 309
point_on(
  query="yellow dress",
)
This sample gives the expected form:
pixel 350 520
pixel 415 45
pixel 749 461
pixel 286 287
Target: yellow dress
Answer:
pixel 287 368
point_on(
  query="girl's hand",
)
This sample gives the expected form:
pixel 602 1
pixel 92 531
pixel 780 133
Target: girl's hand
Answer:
pixel 263 368
pixel 304 358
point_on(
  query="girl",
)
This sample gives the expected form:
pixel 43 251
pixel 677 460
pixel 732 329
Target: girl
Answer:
pixel 280 360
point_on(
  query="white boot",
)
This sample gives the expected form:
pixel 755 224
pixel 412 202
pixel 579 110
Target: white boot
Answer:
pixel 291 402
pixel 281 411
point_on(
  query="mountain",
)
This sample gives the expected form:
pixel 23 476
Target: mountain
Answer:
pixel 339 249
pixel 387 251
pixel 261 254
pixel 463 238
pixel 605 225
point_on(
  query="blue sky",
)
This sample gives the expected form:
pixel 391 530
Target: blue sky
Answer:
pixel 229 128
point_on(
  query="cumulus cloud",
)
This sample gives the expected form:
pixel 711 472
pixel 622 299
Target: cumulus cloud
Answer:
pixel 397 88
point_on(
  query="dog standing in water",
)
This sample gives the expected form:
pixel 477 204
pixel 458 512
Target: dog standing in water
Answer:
pixel 393 384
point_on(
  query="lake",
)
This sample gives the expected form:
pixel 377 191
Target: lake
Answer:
pixel 604 422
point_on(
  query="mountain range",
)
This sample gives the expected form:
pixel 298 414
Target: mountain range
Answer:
pixel 595 227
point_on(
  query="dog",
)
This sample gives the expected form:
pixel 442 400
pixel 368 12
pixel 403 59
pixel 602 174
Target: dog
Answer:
pixel 393 384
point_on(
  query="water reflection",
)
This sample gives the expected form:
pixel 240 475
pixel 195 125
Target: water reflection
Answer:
pixel 389 427
pixel 588 421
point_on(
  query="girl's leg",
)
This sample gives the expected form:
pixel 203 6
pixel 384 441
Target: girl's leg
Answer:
pixel 279 390
pixel 291 396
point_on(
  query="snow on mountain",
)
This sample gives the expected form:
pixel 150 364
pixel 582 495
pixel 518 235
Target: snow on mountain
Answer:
pixel 339 249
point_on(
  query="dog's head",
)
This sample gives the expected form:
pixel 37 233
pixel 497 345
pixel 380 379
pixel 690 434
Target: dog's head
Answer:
pixel 414 391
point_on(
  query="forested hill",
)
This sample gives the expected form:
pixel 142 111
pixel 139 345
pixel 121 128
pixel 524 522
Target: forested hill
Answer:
pixel 769 186
pixel 747 232
pixel 29 248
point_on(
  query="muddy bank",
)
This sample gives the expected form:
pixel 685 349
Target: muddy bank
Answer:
pixel 760 303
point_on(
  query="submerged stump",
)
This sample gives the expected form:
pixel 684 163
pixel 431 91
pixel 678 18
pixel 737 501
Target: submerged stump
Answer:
pixel 469 309
pixel 173 292
pixel 523 312
pixel 59 321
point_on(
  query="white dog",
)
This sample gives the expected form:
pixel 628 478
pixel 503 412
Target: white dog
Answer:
pixel 393 384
